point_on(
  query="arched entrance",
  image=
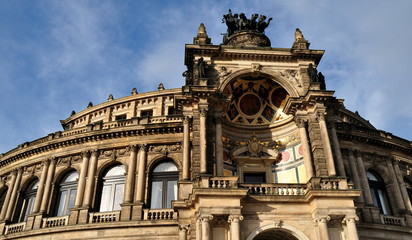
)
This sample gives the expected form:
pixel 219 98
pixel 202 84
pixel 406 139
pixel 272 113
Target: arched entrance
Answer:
pixel 277 232
pixel 274 234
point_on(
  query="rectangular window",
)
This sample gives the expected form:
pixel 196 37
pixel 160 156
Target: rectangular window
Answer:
pixel 121 117
pixel 254 177
pixel 146 113
pixel 156 200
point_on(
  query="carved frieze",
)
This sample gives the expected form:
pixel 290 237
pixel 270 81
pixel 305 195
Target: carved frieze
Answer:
pixel 165 149
pixel 69 160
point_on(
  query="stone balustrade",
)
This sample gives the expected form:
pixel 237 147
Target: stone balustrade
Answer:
pixel 15 228
pixel 391 220
pixel 102 217
pixel 276 189
pixel 223 182
pixel 159 214
pixel 165 119
pixel 55 221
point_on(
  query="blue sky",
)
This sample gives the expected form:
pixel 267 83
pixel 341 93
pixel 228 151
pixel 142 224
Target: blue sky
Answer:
pixel 56 56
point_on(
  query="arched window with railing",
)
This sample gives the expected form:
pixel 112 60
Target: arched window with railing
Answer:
pixel 67 193
pixel 112 189
pixel 163 185
pixel 378 192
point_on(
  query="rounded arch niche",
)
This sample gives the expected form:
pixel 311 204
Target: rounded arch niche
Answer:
pixel 256 100
pixel 279 231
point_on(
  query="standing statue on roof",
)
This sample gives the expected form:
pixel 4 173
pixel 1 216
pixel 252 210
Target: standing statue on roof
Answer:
pixel 262 25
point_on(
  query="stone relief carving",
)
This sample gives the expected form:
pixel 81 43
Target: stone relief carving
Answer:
pixel 292 76
pixel 165 149
pixel 69 160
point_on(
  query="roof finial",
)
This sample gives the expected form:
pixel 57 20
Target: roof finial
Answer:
pixel 201 37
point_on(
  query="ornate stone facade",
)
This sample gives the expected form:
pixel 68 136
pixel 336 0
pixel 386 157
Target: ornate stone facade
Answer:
pixel 253 147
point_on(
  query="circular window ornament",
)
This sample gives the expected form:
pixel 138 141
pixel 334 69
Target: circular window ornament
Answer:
pixel 250 104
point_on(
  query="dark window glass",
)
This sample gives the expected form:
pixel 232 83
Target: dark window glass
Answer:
pixel 378 192
pixel 29 198
pixel 3 194
pixel 254 177
pixel 67 194
pixel 146 113
pixel 121 117
pixel 163 185
pixel 112 189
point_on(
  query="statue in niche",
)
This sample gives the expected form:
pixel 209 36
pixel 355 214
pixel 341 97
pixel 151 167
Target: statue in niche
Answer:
pixel 189 77
pixel 313 73
pixel 201 67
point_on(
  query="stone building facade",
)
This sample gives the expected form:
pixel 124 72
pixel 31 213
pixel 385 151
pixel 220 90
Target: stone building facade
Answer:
pixel 252 147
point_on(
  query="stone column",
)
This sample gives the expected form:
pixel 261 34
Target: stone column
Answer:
pixel 8 196
pixel 355 176
pixel 131 171
pixel 13 197
pixel 88 193
pixel 186 148
pixel 364 179
pixel 402 186
pixel 206 227
pixel 82 180
pixel 141 174
pixel 183 229
pixel 40 188
pixel 219 145
pixel 338 153
pixel 307 156
pixel 202 140
pixel 395 186
pixel 47 188
pixel 234 221
pixel 326 144
pixel 351 227
pixel 323 227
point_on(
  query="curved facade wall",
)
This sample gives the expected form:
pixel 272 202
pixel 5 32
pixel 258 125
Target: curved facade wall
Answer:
pixel 251 147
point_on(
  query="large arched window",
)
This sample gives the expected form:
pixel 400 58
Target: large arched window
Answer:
pixel 67 194
pixel 27 204
pixel 163 185
pixel 378 192
pixel 112 189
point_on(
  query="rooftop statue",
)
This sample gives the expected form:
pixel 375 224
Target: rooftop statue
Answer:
pixel 239 22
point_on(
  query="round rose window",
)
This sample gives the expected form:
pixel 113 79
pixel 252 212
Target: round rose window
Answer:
pixel 255 101
pixel 249 104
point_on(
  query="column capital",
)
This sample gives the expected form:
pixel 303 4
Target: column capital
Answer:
pixel 350 219
pixel 46 162
pixel 143 147
pixel 324 219
pixel 132 148
pixel 187 119
pixel 86 154
pixel 206 217
pixel 95 152
pixel 203 111
pixel 235 218
pixel 301 123
pixel 184 227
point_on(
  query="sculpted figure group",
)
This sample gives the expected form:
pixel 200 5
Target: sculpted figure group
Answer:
pixel 239 22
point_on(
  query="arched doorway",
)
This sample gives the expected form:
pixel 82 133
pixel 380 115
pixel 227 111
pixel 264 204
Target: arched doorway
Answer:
pixel 275 234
